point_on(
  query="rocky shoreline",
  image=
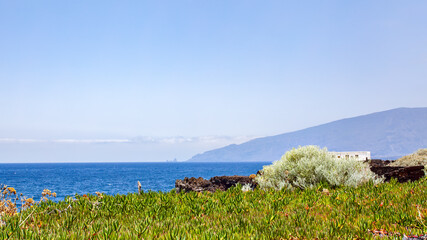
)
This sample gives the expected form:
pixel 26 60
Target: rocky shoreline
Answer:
pixel 215 183
pixel 379 167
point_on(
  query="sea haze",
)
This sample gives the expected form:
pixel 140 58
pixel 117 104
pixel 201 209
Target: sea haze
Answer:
pixel 67 179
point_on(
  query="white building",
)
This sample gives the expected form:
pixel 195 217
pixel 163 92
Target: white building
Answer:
pixel 361 155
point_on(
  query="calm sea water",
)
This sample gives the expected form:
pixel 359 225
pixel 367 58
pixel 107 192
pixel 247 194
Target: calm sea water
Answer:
pixel 67 179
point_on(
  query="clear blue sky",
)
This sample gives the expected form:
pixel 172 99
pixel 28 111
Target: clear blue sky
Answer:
pixel 124 69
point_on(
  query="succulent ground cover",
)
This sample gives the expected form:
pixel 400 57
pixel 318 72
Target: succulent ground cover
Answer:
pixel 390 210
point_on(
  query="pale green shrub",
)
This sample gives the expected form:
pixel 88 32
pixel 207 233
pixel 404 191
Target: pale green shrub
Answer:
pixel 417 158
pixel 308 166
pixel 247 187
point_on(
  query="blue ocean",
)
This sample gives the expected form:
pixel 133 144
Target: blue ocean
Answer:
pixel 67 179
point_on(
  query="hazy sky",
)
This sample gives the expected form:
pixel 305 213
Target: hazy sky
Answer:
pixel 78 78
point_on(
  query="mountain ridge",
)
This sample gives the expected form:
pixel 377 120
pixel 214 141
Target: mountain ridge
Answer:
pixel 387 134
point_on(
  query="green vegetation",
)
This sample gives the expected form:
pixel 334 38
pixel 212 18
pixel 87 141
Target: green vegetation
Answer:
pixel 343 212
pixel 308 166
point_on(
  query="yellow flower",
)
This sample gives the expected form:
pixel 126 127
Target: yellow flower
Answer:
pixel 46 192
pixel 11 190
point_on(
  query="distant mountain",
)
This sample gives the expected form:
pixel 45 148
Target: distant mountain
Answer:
pixel 388 135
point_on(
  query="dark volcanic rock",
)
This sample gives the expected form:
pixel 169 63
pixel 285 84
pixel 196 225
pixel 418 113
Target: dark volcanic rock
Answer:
pixel 216 183
pixel 378 162
pixel 226 182
pixel 402 174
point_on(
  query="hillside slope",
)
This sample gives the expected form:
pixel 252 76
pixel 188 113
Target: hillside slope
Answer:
pixel 388 135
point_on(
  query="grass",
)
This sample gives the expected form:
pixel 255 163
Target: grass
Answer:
pixel 392 209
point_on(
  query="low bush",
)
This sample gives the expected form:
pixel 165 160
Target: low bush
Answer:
pixel 308 166
pixel 417 158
